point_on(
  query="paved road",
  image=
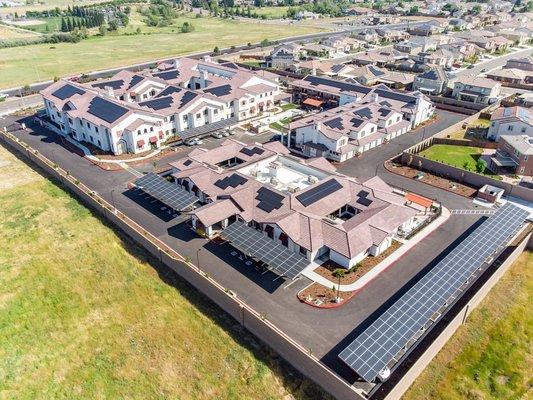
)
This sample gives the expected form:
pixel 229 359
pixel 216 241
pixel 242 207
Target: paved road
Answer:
pixel 135 67
pixel 12 104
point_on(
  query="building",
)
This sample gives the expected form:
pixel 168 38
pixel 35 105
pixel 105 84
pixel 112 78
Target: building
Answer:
pixel 347 131
pixel 303 205
pixel 524 64
pixel 510 121
pixel 432 82
pixel 514 155
pixel 283 56
pixel 415 107
pixel 511 75
pixel 476 90
pixel 136 112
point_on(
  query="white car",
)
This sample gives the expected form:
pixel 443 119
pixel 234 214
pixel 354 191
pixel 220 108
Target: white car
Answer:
pixel 198 141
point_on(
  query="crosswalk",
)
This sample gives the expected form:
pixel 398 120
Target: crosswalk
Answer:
pixel 131 170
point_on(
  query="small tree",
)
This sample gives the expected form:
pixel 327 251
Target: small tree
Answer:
pixel 216 50
pixel 339 273
pixel 102 30
pixel 480 165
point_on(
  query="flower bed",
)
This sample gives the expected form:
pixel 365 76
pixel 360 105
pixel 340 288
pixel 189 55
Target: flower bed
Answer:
pixel 320 296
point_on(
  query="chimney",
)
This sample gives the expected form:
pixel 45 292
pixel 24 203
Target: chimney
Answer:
pixel 318 126
pixel 374 97
pixel 176 63
pixel 127 97
pixel 313 71
pixel 207 58
pixel 109 91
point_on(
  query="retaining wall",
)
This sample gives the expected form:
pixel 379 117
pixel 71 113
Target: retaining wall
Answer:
pixel 257 324
pixel 409 377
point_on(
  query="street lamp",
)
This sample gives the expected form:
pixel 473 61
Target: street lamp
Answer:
pixel 113 201
pixel 198 257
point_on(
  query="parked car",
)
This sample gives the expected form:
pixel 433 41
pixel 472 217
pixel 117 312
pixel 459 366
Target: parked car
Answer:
pixel 225 134
pixel 484 70
pixel 231 132
pixel 217 135
pixel 3 96
pixel 192 142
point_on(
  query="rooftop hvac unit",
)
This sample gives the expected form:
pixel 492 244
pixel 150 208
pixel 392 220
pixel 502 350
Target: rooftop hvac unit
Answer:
pixel 312 179
pixel 292 188
pixel 274 181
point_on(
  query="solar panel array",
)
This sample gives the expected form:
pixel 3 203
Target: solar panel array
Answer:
pixel 269 200
pixel 115 85
pixel 279 259
pixel 168 75
pixel 159 103
pixel 387 338
pixel 67 91
pixel 218 91
pixel 166 192
pixel 106 110
pixel 252 151
pixel 232 180
pixel 318 192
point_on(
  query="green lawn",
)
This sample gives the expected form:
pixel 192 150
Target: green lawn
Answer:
pixel 458 156
pixel 490 357
pixel 85 314
pixel 45 5
pixel 272 12
pixel 288 106
pixel 28 64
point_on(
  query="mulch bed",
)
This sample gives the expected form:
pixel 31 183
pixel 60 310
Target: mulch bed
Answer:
pixel 327 268
pixel 325 295
pixel 433 180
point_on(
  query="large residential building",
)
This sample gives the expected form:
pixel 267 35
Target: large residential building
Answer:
pixel 514 155
pixel 134 112
pixel 432 82
pixel 303 205
pixel 476 90
pixel 510 121
pixel 414 106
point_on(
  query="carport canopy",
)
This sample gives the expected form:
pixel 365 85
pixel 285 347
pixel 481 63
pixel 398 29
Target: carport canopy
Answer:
pixel 254 243
pixel 166 192
pixel 313 102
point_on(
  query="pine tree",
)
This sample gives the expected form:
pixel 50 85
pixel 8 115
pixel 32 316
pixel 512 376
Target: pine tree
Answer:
pixel 69 24
pixel 64 26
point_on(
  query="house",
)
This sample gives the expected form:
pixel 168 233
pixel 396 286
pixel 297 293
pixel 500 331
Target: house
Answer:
pixel 346 131
pixel 415 107
pixel 524 64
pixel 417 45
pixel 319 50
pixel 313 67
pixel 432 82
pixel 379 57
pixel 510 121
pixel 303 206
pixel 476 90
pixel 426 29
pixel 514 155
pixel 392 35
pixel 283 56
pixel 302 15
pixel 459 24
pixel 367 35
pixel 367 74
pixel 136 112
pixel 340 43
pixel 441 58
pixel 511 75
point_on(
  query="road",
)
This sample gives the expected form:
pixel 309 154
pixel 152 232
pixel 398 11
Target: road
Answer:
pixel 35 87
pixel 12 104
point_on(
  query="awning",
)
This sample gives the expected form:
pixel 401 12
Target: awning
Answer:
pixel 423 89
pixel 140 143
pixel 313 102
pixel 417 199
pixel 153 139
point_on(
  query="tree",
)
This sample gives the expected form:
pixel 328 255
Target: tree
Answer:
pixel 216 50
pixel 480 165
pixel 69 24
pixel 64 26
pixel 339 273
pixel 102 30
pixel 113 25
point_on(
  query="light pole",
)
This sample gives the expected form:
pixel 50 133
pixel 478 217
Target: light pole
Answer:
pixel 113 201
pixel 198 257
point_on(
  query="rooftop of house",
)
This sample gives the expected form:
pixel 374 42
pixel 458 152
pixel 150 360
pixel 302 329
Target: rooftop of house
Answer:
pixel 434 74
pixel 477 81
pixel 314 205
pixel 523 144
pixel 513 113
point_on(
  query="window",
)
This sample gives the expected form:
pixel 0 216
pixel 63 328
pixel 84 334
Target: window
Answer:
pixel 96 129
pixel 173 130
pixel 185 118
pixel 205 111
pixel 198 115
pixel 510 128
pixel 99 144
pixel 523 130
pixel 151 129
pixel 139 132
pixel 172 118
pixel 215 112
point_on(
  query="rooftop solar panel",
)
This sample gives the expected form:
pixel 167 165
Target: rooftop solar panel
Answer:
pixel 364 112
pixel 250 152
pixel 187 98
pixel 269 200
pixel 106 110
pixel 318 192
pixel 219 90
pixel 343 86
pixel 159 103
pixel 232 180
pixel 166 192
pixel 67 91
pixel 335 123
pixel 168 75
pixel 279 259
pixel 117 84
pixel 135 80
pixel 168 91
pixel 382 343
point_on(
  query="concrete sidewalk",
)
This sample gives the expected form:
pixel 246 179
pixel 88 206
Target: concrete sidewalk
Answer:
pixel 374 272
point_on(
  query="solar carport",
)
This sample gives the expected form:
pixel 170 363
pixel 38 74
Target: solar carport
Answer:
pixel 387 340
pixel 166 192
pixel 254 243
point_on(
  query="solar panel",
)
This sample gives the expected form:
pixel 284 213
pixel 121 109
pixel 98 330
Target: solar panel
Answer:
pixel 219 90
pixel 135 80
pixel 279 259
pixel 335 123
pixel 106 110
pixel 395 330
pixel 158 103
pixel 168 75
pixel 343 86
pixel 168 91
pixel 113 84
pixel 232 180
pixel 166 192
pixel 356 122
pixel 324 189
pixel 252 151
pixel 269 200
pixel 187 98
pixel 67 91
pixel 364 112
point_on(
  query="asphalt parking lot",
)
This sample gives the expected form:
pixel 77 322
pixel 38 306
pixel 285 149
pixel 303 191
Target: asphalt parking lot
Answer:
pixel 319 330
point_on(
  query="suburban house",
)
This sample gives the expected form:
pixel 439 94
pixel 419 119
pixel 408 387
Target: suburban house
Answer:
pixel 302 205
pixel 524 64
pixel 511 75
pixel 283 56
pixel 510 121
pixel 514 155
pixel 415 107
pixel 426 29
pixel 432 82
pixel 380 58
pixel 367 35
pixel 346 131
pixel 132 113
pixel 441 58
pixel 417 45
pixel 476 90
